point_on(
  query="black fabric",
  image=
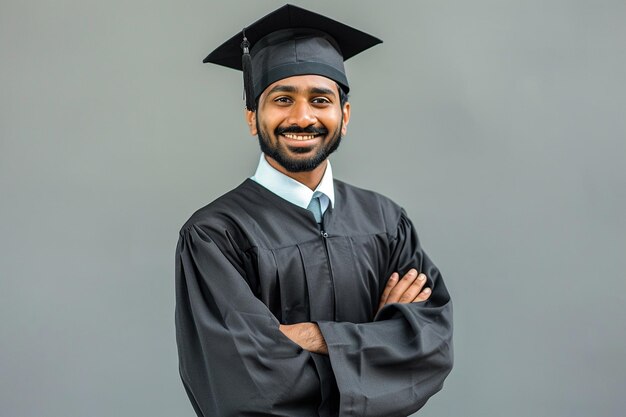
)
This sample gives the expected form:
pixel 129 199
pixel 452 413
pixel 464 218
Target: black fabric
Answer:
pixel 351 41
pixel 251 260
pixel 289 41
pixel 308 54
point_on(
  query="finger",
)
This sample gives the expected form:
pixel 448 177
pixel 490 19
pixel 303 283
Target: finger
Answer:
pixel 413 290
pixel 402 286
pixel 393 279
pixel 423 296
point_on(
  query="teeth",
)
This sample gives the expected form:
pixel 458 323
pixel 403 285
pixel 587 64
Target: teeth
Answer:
pixel 299 137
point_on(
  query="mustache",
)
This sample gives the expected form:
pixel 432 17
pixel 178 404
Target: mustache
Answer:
pixel 311 130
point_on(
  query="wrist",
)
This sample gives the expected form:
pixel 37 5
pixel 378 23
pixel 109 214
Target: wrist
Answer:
pixel 315 339
pixel 307 335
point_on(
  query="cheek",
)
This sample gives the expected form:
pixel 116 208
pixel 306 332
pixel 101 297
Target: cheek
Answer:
pixel 266 127
pixel 329 118
pixel 270 124
pixel 335 123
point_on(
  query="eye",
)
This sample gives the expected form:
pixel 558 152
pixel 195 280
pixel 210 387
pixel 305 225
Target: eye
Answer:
pixel 321 100
pixel 282 100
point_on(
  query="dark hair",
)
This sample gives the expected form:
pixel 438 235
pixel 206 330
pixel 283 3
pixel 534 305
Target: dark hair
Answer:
pixel 343 96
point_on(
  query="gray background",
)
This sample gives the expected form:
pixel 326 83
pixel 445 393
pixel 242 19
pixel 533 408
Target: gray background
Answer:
pixel 499 125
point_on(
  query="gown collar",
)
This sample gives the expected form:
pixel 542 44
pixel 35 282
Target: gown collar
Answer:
pixel 293 191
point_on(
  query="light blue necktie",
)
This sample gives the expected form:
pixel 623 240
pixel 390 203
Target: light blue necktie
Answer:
pixel 315 207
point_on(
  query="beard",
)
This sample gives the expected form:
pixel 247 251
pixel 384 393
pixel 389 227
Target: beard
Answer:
pixel 281 152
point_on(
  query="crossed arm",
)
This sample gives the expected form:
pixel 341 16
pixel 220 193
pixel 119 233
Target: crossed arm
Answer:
pixel 409 289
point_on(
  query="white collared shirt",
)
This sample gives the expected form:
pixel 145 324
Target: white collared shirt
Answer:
pixel 292 190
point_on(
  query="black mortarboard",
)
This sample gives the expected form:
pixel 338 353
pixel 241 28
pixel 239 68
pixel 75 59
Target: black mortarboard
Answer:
pixel 290 41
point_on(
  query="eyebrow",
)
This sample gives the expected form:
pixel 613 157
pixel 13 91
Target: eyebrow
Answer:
pixel 291 89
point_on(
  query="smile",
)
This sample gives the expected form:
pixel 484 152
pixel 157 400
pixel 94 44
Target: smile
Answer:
pixel 299 137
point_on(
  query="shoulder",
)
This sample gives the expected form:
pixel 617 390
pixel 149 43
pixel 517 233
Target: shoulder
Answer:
pixel 370 203
pixel 214 230
pixel 224 212
pixel 365 196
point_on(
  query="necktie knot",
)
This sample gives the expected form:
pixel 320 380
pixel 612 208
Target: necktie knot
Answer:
pixel 315 207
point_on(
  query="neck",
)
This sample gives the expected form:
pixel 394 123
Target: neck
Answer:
pixel 309 178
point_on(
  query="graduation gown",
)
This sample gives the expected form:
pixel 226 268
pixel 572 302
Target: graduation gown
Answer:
pixel 251 260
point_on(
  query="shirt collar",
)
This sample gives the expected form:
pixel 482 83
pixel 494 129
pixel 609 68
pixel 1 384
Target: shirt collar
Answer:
pixel 292 190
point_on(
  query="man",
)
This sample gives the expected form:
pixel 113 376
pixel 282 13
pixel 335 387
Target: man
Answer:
pixel 298 294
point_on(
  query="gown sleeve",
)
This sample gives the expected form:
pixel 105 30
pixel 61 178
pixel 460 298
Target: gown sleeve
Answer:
pixel 233 359
pixel 390 367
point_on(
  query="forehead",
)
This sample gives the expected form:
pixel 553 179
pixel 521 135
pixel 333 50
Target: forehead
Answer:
pixel 304 83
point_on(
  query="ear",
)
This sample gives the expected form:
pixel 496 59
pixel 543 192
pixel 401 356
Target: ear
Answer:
pixel 251 121
pixel 346 118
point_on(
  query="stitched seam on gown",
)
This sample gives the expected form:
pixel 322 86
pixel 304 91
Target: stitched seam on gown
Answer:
pixel 392 238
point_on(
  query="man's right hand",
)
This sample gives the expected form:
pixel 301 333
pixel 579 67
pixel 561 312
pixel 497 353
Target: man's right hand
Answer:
pixel 405 290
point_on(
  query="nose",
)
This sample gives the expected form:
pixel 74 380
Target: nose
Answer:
pixel 301 114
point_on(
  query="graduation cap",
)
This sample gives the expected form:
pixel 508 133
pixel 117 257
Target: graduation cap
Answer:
pixel 290 41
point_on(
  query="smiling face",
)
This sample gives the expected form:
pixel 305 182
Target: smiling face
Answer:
pixel 299 121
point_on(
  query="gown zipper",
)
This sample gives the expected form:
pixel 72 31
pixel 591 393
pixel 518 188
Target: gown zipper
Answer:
pixel 324 236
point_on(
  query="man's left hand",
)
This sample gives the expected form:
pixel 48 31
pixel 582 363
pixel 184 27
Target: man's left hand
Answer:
pixel 408 289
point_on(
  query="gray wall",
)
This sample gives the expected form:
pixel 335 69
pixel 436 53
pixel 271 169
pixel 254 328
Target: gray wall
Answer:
pixel 499 125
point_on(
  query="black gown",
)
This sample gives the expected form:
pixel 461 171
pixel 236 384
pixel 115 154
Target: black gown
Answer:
pixel 251 260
